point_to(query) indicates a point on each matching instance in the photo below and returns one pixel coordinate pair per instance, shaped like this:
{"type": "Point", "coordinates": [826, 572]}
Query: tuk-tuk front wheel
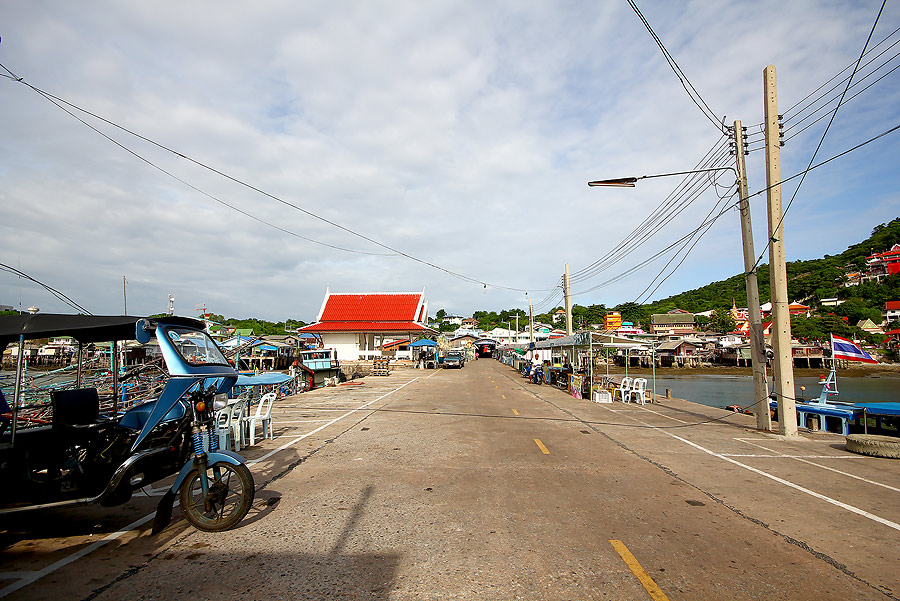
{"type": "Point", "coordinates": [227, 502]}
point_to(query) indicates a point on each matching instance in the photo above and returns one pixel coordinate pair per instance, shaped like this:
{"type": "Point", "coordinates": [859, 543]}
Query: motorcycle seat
{"type": "Point", "coordinates": [136, 417]}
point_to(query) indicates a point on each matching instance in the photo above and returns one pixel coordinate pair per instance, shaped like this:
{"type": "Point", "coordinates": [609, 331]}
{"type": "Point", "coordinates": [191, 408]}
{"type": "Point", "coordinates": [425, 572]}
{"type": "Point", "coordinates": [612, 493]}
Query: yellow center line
{"type": "Point", "coordinates": [655, 592]}
{"type": "Point", "coordinates": [541, 446]}
{"type": "Point", "coordinates": [515, 412]}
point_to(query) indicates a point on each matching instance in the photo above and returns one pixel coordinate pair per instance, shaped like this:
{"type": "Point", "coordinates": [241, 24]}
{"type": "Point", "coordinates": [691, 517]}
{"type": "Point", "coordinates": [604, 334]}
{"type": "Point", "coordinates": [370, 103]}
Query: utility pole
{"type": "Point", "coordinates": [781, 318]}
{"type": "Point", "coordinates": [757, 340]}
{"type": "Point", "coordinates": [568, 292]}
{"type": "Point", "coordinates": [530, 322]}
{"type": "Point", "coordinates": [124, 296]}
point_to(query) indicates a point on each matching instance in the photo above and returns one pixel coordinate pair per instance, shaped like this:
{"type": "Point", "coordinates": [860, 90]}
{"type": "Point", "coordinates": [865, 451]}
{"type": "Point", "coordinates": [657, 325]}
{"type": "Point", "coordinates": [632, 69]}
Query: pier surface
{"type": "Point", "coordinates": [475, 484]}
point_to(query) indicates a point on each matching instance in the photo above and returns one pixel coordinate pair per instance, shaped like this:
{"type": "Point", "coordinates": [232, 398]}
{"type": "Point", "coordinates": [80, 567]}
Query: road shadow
{"type": "Point", "coordinates": [220, 572]}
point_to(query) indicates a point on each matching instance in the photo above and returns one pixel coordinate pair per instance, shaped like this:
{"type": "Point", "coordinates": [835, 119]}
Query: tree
{"type": "Point", "coordinates": [440, 315]}
{"type": "Point", "coordinates": [722, 321]}
{"type": "Point", "coordinates": [807, 328]}
{"type": "Point", "coordinates": [633, 312]}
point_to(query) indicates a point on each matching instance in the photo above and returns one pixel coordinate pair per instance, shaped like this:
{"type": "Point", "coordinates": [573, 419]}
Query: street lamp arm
{"type": "Point", "coordinates": [629, 182]}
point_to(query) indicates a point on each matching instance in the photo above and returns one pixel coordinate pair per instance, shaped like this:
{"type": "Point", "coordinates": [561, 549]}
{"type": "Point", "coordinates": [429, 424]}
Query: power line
{"type": "Point", "coordinates": [792, 116]}
{"type": "Point", "coordinates": [816, 166]}
{"type": "Point", "coordinates": [804, 99]}
{"type": "Point", "coordinates": [687, 191]}
{"type": "Point", "coordinates": [701, 234]}
{"type": "Point", "coordinates": [667, 209]}
{"type": "Point", "coordinates": [685, 82]}
{"type": "Point", "coordinates": [207, 194]}
{"type": "Point", "coordinates": [50, 289]}
{"type": "Point", "coordinates": [846, 100]}
{"type": "Point", "coordinates": [48, 96]}
{"type": "Point", "coordinates": [833, 115]}
{"type": "Point", "coordinates": [651, 258]}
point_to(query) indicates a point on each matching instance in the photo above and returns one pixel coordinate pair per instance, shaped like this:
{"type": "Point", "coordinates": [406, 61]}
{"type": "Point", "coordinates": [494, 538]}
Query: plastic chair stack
{"type": "Point", "coordinates": [229, 425]}
{"type": "Point", "coordinates": [639, 391]}
{"type": "Point", "coordinates": [624, 389]}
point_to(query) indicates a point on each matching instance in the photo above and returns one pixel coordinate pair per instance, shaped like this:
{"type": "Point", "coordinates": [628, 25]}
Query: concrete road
{"type": "Point", "coordinates": [474, 484]}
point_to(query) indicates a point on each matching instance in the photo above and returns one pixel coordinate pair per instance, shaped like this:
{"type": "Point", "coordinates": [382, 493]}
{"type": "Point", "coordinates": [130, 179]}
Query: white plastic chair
{"type": "Point", "coordinates": [237, 412]}
{"type": "Point", "coordinates": [639, 391]}
{"type": "Point", "coordinates": [624, 388]}
{"type": "Point", "coordinates": [263, 416]}
{"type": "Point", "coordinates": [224, 428]}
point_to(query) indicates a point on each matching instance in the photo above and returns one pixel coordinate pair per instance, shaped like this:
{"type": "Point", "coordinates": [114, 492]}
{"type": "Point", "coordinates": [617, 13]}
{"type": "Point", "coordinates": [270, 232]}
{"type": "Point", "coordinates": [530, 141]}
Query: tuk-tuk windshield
{"type": "Point", "coordinates": [195, 346]}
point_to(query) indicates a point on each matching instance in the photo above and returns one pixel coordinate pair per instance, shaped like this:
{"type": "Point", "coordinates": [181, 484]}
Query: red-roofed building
{"type": "Point", "coordinates": [886, 263]}
{"type": "Point", "coordinates": [358, 325]}
{"type": "Point", "coordinates": [892, 311]}
{"type": "Point", "coordinates": [798, 309]}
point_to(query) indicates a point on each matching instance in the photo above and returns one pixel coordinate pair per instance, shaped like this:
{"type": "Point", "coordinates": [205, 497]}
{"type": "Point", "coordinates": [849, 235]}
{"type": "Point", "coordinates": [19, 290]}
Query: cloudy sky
{"type": "Point", "coordinates": [396, 146]}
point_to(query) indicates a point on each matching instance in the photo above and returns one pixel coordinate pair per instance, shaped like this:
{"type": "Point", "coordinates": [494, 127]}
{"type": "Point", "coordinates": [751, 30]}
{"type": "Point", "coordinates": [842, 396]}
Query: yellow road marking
{"type": "Point", "coordinates": [540, 445]}
{"type": "Point", "coordinates": [655, 592]}
{"type": "Point", "coordinates": [503, 396]}
{"type": "Point", "coordinates": [515, 412]}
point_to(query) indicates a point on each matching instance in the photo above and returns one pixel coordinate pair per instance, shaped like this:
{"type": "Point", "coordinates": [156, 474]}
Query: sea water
{"type": "Point", "coordinates": [724, 390]}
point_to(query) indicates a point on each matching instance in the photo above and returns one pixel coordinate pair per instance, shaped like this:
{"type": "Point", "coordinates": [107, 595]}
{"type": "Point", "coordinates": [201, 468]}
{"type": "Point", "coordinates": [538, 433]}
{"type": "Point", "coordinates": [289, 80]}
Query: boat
{"type": "Point", "coordinates": [321, 366]}
{"type": "Point", "coordinates": [826, 413]}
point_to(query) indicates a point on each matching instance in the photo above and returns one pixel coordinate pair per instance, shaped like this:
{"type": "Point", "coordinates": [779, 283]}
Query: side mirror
{"type": "Point", "coordinates": [143, 330]}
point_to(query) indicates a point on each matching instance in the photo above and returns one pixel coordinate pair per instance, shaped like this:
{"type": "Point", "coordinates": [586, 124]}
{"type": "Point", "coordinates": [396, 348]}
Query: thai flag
{"type": "Point", "coordinates": [841, 348]}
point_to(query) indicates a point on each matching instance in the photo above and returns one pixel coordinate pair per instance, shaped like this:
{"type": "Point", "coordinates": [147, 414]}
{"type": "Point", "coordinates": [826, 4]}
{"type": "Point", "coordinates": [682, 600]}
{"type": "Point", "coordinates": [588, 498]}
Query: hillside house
{"type": "Point", "coordinates": [883, 264]}
{"type": "Point", "coordinates": [798, 309]}
{"type": "Point", "coordinates": [677, 352]}
{"type": "Point", "coordinates": [867, 325]}
{"type": "Point", "coordinates": [892, 311]}
{"type": "Point", "coordinates": [672, 323]}
{"type": "Point", "coordinates": [612, 321]}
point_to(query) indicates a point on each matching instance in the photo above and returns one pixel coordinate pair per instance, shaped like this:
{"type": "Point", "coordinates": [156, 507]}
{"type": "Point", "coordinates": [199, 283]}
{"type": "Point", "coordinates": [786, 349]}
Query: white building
{"type": "Point", "coordinates": [357, 325]}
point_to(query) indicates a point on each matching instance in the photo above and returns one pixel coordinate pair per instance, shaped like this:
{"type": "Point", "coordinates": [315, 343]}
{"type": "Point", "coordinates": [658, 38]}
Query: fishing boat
{"type": "Point", "coordinates": [827, 413]}
{"type": "Point", "coordinates": [321, 366]}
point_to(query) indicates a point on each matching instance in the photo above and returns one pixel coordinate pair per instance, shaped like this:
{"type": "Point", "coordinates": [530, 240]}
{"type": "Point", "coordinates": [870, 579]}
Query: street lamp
{"type": "Point", "coordinates": [629, 182]}
{"type": "Point", "coordinates": [760, 384]}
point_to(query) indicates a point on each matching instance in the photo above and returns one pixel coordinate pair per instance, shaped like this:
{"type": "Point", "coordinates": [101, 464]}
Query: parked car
{"type": "Point", "coordinates": [452, 359]}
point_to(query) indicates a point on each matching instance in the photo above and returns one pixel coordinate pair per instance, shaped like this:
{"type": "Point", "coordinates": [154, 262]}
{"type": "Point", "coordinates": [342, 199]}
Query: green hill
{"type": "Point", "coordinates": [808, 282]}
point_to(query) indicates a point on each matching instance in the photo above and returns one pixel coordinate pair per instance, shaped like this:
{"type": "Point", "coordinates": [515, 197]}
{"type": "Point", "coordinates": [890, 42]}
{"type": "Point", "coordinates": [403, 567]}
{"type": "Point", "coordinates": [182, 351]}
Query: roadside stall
{"type": "Point", "coordinates": [424, 353]}
{"type": "Point", "coordinates": [570, 361]}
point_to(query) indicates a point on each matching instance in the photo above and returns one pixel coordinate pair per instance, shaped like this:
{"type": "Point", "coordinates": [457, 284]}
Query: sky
{"type": "Point", "coordinates": [279, 149]}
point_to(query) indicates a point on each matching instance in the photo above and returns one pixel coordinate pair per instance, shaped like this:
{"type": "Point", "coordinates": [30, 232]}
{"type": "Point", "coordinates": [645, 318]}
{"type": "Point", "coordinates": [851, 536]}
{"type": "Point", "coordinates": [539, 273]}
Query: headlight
{"type": "Point", "coordinates": [220, 401]}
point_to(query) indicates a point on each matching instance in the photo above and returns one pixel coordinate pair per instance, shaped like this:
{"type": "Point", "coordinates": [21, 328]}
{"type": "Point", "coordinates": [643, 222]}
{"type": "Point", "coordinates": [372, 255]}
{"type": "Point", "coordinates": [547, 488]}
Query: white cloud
{"type": "Point", "coordinates": [460, 133]}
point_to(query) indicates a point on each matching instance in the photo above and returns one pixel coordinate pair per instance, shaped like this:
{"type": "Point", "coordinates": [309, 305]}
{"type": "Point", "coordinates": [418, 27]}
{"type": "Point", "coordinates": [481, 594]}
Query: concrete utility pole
{"type": "Point", "coordinates": [530, 322]}
{"type": "Point", "coordinates": [568, 292]}
{"type": "Point", "coordinates": [781, 317]}
{"type": "Point", "coordinates": [757, 340]}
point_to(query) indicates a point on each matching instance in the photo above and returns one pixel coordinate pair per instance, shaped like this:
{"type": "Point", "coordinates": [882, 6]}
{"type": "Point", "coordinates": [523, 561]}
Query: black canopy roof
{"type": "Point", "coordinates": [83, 328]}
